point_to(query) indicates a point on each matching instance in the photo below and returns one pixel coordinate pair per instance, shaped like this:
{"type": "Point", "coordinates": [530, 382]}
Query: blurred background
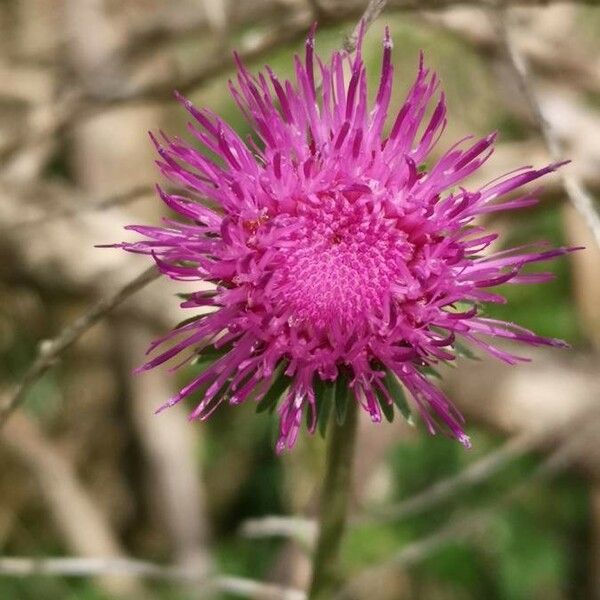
{"type": "Point", "coordinates": [88, 470]}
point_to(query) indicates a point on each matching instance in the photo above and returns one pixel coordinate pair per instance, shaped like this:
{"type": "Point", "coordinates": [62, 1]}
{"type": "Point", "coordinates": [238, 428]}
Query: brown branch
{"type": "Point", "coordinates": [464, 527]}
{"type": "Point", "coordinates": [52, 349]}
{"type": "Point", "coordinates": [579, 197]}
{"type": "Point", "coordinates": [446, 489]}
{"type": "Point", "coordinates": [88, 567]}
{"type": "Point", "coordinates": [289, 31]}
{"type": "Point", "coordinates": [78, 518]}
{"type": "Point", "coordinates": [119, 199]}
{"type": "Point", "coordinates": [84, 104]}
{"type": "Point", "coordinates": [444, 4]}
{"type": "Point", "coordinates": [439, 493]}
{"type": "Point", "coordinates": [169, 447]}
{"type": "Point", "coordinates": [373, 10]}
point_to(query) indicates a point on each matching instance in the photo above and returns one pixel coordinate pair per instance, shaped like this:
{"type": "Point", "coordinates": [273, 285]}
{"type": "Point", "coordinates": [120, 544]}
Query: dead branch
{"type": "Point", "coordinates": [119, 199]}
{"type": "Point", "coordinates": [447, 489]}
{"type": "Point", "coordinates": [441, 492]}
{"type": "Point", "coordinates": [476, 521]}
{"type": "Point", "coordinates": [51, 350]}
{"type": "Point", "coordinates": [80, 521]}
{"type": "Point", "coordinates": [169, 445]}
{"type": "Point", "coordinates": [82, 103]}
{"type": "Point", "coordinates": [373, 10]}
{"type": "Point", "coordinates": [576, 192]}
{"type": "Point", "coordinates": [89, 567]}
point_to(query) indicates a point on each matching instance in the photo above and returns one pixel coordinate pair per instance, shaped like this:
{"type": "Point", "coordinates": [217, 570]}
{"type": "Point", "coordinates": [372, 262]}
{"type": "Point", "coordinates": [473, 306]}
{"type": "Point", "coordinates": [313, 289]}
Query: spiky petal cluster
{"type": "Point", "coordinates": [332, 250]}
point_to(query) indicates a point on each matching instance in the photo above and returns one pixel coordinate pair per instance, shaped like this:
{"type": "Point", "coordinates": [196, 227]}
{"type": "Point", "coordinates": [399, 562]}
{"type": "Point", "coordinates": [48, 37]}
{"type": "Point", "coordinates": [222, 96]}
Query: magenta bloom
{"type": "Point", "coordinates": [341, 266]}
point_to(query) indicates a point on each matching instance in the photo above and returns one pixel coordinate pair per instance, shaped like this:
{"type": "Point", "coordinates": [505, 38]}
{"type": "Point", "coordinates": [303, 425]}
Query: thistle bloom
{"type": "Point", "coordinates": [340, 263]}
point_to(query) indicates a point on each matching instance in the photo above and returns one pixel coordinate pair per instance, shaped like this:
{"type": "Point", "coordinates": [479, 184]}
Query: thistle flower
{"type": "Point", "coordinates": [341, 266]}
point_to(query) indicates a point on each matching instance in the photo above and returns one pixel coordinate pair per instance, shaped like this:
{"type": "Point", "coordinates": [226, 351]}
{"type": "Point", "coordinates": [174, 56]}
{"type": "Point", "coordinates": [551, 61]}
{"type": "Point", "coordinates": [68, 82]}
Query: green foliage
{"type": "Point", "coordinates": [342, 395]}
{"type": "Point", "coordinates": [277, 387]}
{"type": "Point", "coordinates": [386, 408]}
{"type": "Point", "coordinates": [397, 393]}
{"type": "Point", "coordinates": [36, 588]}
{"type": "Point", "coordinates": [325, 394]}
{"type": "Point", "coordinates": [533, 550]}
{"type": "Point", "coordinates": [547, 309]}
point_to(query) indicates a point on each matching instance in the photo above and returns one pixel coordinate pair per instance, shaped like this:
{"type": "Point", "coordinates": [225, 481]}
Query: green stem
{"type": "Point", "coordinates": [334, 504]}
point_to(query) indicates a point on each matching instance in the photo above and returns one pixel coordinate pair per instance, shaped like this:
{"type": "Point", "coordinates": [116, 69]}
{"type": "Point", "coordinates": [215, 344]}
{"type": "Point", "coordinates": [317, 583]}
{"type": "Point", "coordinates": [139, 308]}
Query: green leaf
{"type": "Point", "coordinates": [342, 392]}
{"type": "Point", "coordinates": [428, 370]}
{"type": "Point", "coordinates": [386, 408]}
{"type": "Point", "coordinates": [462, 350]}
{"type": "Point", "coordinates": [324, 394]}
{"type": "Point", "coordinates": [190, 320]}
{"type": "Point", "coordinates": [185, 295]}
{"type": "Point", "coordinates": [208, 354]}
{"type": "Point", "coordinates": [397, 394]}
{"type": "Point", "coordinates": [202, 362]}
{"type": "Point", "coordinates": [279, 383]}
{"type": "Point", "coordinates": [212, 350]}
{"type": "Point", "coordinates": [223, 391]}
{"type": "Point", "coordinates": [190, 295]}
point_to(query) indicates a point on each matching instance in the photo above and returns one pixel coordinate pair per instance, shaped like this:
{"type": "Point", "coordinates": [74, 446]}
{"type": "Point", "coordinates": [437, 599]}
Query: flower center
{"type": "Point", "coordinates": [339, 260]}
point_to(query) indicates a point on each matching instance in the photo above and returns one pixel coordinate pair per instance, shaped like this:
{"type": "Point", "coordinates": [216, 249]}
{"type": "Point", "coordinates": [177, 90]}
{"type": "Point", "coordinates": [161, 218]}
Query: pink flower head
{"type": "Point", "coordinates": [340, 265]}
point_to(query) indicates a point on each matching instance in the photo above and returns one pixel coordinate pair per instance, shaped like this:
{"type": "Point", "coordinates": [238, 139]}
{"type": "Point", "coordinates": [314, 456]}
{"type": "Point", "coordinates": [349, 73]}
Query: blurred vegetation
{"type": "Point", "coordinates": [533, 549]}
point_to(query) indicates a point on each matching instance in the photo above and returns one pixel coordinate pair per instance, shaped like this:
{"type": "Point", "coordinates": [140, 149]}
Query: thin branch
{"type": "Point", "coordinates": [445, 490]}
{"type": "Point", "coordinates": [288, 32]}
{"type": "Point", "coordinates": [554, 463]}
{"type": "Point", "coordinates": [82, 105]}
{"type": "Point", "coordinates": [90, 567]}
{"type": "Point", "coordinates": [52, 349]}
{"type": "Point", "coordinates": [444, 4]}
{"type": "Point", "coordinates": [579, 197]}
{"type": "Point", "coordinates": [373, 10]}
{"type": "Point", "coordinates": [82, 206]}
{"type": "Point", "coordinates": [440, 492]}
{"type": "Point", "coordinates": [464, 527]}
{"type": "Point", "coordinates": [303, 529]}
{"type": "Point", "coordinates": [216, 65]}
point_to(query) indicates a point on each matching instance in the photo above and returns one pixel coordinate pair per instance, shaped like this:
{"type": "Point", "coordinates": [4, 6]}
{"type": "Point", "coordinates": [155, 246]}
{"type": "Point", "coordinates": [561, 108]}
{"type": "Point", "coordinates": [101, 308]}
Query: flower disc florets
{"type": "Point", "coordinates": [340, 265]}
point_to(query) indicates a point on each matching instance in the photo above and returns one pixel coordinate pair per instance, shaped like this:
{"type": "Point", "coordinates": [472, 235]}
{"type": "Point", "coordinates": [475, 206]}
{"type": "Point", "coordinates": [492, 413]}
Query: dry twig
{"type": "Point", "coordinates": [440, 492]}
{"type": "Point", "coordinates": [579, 197]}
{"type": "Point", "coordinates": [373, 10]}
{"type": "Point", "coordinates": [464, 527]}
{"type": "Point", "coordinates": [52, 349]}
{"type": "Point", "coordinates": [83, 104]}
{"type": "Point", "coordinates": [89, 567]}
{"type": "Point", "coordinates": [77, 516]}
{"type": "Point", "coordinates": [67, 203]}
{"type": "Point", "coordinates": [445, 490]}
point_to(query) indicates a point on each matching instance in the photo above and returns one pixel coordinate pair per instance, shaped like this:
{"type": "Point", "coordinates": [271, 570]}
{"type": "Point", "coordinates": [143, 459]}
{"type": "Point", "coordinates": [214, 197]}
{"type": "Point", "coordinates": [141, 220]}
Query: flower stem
{"type": "Point", "coordinates": [334, 504]}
